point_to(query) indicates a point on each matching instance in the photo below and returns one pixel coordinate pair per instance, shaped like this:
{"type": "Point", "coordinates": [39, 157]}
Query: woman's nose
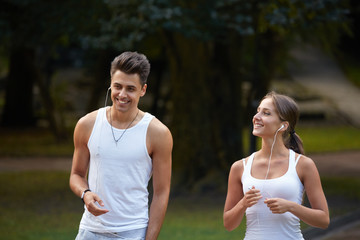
{"type": "Point", "coordinates": [256, 116]}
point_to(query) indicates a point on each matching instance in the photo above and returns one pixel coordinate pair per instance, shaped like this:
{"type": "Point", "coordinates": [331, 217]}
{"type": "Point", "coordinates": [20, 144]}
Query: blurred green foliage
{"type": "Point", "coordinates": [215, 59]}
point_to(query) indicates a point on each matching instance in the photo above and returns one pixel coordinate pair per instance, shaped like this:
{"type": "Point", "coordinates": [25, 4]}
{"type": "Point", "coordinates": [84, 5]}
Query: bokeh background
{"type": "Point", "coordinates": [211, 63]}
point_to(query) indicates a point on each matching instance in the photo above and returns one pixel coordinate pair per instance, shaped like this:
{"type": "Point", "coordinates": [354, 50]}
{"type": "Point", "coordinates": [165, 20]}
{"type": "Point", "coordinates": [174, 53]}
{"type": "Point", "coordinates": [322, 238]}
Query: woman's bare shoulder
{"type": "Point", "coordinates": [239, 164]}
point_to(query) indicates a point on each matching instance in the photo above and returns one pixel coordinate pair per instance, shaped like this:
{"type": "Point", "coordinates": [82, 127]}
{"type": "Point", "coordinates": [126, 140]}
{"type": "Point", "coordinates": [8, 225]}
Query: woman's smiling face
{"type": "Point", "coordinates": [266, 121]}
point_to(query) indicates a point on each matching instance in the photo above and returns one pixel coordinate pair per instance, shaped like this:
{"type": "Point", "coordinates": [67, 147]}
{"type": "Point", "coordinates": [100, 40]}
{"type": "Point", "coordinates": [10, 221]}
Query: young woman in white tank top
{"type": "Point", "coordinates": [268, 186]}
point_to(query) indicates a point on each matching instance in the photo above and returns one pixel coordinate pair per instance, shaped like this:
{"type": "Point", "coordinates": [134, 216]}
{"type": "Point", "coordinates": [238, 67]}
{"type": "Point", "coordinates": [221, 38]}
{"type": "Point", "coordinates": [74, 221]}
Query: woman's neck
{"type": "Point", "coordinates": [268, 146]}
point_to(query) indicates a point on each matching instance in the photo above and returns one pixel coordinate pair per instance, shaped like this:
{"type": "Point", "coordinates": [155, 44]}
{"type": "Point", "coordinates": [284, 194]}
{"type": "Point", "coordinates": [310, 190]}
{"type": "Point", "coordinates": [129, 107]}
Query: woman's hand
{"type": "Point", "coordinates": [278, 205]}
{"type": "Point", "coordinates": [251, 197]}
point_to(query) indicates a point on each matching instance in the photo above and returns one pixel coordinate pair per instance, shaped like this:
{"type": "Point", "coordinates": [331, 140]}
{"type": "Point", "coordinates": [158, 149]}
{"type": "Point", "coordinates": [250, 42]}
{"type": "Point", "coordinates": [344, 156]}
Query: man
{"type": "Point", "coordinates": [121, 147]}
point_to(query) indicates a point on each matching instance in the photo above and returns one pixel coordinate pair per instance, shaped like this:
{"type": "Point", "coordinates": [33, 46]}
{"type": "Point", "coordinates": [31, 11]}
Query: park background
{"type": "Point", "coordinates": [212, 62]}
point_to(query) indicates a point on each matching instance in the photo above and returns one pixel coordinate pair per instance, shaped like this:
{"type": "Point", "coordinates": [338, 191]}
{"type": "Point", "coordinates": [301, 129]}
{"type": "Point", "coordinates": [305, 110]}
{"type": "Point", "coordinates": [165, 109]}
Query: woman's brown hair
{"type": "Point", "coordinates": [288, 111]}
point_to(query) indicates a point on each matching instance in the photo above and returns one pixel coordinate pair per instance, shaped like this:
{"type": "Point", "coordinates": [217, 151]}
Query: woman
{"type": "Point", "coordinates": [268, 185]}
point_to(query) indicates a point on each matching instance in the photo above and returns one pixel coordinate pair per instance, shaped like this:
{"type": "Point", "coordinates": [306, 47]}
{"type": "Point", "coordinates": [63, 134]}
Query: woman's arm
{"type": "Point", "coordinates": [318, 214]}
{"type": "Point", "coordinates": [236, 203]}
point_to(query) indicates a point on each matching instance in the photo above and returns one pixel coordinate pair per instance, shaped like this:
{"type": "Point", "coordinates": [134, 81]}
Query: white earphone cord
{"type": "Point", "coordinates": [107, 93]}
{"type": "Point", "coordinates": [267, 172]}
{"type": "Point", "coordinates": [271, 151]}
{"type": "Point", "coordinates": [97, 163]}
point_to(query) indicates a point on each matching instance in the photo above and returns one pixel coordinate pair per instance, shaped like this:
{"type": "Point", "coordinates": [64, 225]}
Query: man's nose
{"type": "Point", "coordinates": [122, 93]}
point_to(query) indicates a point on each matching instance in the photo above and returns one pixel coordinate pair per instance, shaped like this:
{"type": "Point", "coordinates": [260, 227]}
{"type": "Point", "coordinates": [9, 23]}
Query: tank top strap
{"type": "Point", "coordinates": [292, 161]}
{"type": "Point", "coordinates": [102, 119]}
{"type": "Point", "coordinates": [247, 166]}
{"type": "Point", "coordinates": [147, 118]}
{"type": "Point", "coordinates": [97, 128]}
{"type": "Point", "coordinates": [102, 113]}
{"type": "Point", "coordinates": [297, 159]}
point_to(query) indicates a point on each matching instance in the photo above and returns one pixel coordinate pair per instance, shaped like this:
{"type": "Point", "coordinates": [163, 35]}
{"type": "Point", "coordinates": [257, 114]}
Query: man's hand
{"type": "Point", "coordinates": [94, 203]}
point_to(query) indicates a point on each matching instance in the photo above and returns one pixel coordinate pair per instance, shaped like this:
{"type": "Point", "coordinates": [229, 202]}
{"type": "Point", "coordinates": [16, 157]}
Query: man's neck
{"type": "Point", "coordinates": [122, 119]}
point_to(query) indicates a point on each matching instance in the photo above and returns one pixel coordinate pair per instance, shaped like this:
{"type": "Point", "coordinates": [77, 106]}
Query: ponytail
{"type": "Point", "coordinates": [295, 143]}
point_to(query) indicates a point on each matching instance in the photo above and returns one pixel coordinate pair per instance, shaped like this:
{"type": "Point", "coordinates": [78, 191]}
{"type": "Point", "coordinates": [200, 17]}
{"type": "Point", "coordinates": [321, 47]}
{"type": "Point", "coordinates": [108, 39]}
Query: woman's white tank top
{"type": "Point", "coordinates": [261, 222]}
{"type": "Point", "coordinates": [119, 173]}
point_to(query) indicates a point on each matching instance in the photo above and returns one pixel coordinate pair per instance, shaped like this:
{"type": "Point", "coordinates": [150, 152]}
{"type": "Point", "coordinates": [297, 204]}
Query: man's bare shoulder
{"type": "Point", "coordinates": [157, 126]}
{"type": "Point", "coordinates": [87, 122]}
{"type": "Point", "coordinates": [158, 131]}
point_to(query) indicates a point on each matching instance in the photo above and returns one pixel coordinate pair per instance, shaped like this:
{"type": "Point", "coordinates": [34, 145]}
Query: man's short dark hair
{"type": "Point", "coordinates": [130, 63]}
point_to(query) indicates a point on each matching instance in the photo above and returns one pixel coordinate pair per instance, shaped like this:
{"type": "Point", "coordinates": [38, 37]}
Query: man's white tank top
{"type": "Point", "coordinates": [119, 173]}
{"type": "Point", "coordinates": [261, 222]}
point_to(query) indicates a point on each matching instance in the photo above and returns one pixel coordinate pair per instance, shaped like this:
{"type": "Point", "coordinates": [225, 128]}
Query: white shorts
{"type": "Point", "coordinates": [136, 234]}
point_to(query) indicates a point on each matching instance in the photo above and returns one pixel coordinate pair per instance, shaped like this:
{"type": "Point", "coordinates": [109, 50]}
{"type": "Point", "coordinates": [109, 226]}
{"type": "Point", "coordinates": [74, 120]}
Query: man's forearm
{"type": "Point", "coordinates": [78, 184]}
{"type": "Point", "coordinates": [157, 214]}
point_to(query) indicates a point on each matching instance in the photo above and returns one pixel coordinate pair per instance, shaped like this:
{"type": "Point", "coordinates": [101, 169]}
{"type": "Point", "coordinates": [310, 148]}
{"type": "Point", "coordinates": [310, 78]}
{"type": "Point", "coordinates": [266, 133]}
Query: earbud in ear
{"type": "Point", "coordinates": [282, 126]}
{"type": "Point", "coordinates": [109, 88]}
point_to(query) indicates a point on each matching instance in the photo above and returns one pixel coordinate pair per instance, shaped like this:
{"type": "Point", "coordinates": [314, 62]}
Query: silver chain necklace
{"type": "Point", "coordinates": [112, 130]}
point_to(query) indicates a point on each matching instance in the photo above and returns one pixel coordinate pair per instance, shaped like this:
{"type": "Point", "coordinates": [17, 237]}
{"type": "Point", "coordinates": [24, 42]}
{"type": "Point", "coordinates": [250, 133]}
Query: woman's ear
{"type": "Point", "coordinates": [286, 125]}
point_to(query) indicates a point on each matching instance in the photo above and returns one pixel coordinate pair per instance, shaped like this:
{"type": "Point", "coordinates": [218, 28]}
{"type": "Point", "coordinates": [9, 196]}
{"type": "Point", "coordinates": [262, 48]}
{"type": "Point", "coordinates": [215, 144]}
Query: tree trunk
{"type": "Point", "coordinates": [18, 109]}
{"type": "Point", "coordinates": [205, 125]}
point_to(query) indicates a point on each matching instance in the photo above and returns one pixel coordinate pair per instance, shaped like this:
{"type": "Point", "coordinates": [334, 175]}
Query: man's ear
{"type": "Point", "coordinates": [143, 90]}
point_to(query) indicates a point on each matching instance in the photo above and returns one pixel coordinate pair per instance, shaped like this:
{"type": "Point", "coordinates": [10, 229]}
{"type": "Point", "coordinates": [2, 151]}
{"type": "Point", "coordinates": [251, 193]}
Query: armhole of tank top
{"type": "Point", "coordinates": [244, 167]}
{"type": "Point", "coordinates": [297, 159]}
{"type": "Point", "coordinates": [98, 116]}
{"type": "Point", "coordinates": [148, 121]}
{"type": "Point", "coordinates": [296, 171]}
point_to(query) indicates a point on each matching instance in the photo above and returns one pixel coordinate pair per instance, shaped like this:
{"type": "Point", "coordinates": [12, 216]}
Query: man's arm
{"type": "Point", "coordinates": [80, 164]}
{"type": "Point", "coordinates": [160, 144]}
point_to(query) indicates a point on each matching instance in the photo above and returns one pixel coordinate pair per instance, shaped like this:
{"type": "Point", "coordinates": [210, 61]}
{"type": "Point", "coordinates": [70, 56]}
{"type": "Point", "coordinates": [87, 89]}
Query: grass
{"type": "Point", "coordinates": [197, 218]}
{"type": "Point", "coordinates": [323, 138]}
{"type": "Point", "coordinates": [40, 206]}
{"type": "Point", "coordinates": [32, 142]}
{"type": "Point", "coordinates": [329, 139]}
{"type": "Point", "coordinates": [343, 194]}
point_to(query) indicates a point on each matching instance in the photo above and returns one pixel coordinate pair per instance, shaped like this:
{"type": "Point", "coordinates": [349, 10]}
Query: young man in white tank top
{"type": "Point", "coordinates": [268, 186]}
{"type": "Point", "coordinates": [121, 148]}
